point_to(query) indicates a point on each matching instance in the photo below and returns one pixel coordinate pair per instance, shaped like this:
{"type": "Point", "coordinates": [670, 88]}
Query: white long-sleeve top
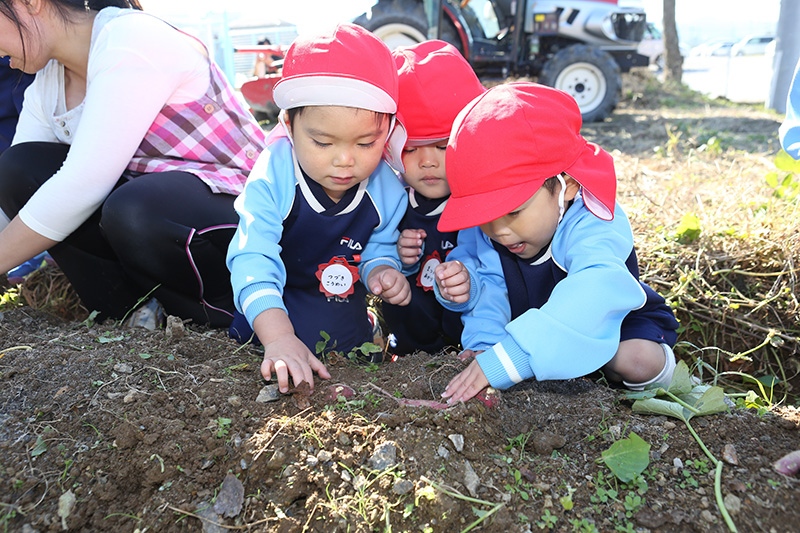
{"type": "Point", "coordinates": [137, 65]}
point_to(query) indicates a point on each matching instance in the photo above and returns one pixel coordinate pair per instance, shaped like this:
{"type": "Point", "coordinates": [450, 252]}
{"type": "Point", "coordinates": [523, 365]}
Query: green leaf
{"type": "Point", "coordinates": [657, 406]}
{"type": "Point", "coordinates": [145, 355]}
{"type": "Point", "coordinates": [89, 322]}
{"type": "Point", "coordinates": [320, 346]}
{"type": "Point", "coordinates": [627, 458]}
{"type": "Point", "coordinates": [689, 228]}
{"type": "Point", "coordinates": [772, 179]}
{"type": "Point", "coordinates": [368, 348]}
{"type": "Point", "coordinates": [39, 448]}
{"type": "Point", "coordinates": [682, 380]}
{"type": "Point", "coordinates": [566, 502]}
{"type": "Point", "coordinates": [785, 162]}
{"type": "Point", "coordinates": [480, 513]}
{"type": "Point", "coordinates": [711, 400]}
{"type": "Point", "coordinates": [701, 399]}
{"type": "Point", "coordinates": [106, 338]}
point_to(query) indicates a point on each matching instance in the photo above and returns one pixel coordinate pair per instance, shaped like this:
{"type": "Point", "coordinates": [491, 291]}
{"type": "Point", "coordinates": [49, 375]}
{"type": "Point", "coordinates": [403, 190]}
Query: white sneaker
{"type": "Point", "coordinates": [149, 316]}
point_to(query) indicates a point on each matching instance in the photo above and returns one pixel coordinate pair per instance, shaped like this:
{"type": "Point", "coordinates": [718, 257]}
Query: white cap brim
{"type": "Point", "coordinates": [318, 90]}
{"type": "Point", "coordinates": [393, 152]}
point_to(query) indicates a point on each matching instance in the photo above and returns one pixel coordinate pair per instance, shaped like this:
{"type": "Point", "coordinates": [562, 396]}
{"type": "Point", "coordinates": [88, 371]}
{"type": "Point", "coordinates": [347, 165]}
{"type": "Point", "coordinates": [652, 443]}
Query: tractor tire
{"type": "Point", "coordinates": [590, 75]}
{"type": "Point", "coordinates": [403, 23]}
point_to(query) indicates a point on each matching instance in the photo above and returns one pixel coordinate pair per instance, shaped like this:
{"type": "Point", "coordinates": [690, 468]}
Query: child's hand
{"type": "Point", "coordinates": [409, 245]}
{"type": "Point", "coordinates": [390, 284]}
{"type": "Point", "coordinates": [452, 278]}
{"type": "Point", "coordinates": [284, 353]}
{"type": "Point", "coordinates": [466, 385]}
{"type": "Point", "coordinates": [288, 356]}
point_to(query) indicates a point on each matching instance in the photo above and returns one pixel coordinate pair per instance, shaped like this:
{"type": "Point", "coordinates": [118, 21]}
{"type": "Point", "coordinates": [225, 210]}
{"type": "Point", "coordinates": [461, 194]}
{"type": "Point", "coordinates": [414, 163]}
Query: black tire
{"type": "Point", "coordinates": [268, 117]}
{"type": "Point", "coordinates": [403, 23]}
{"type": "Point", "coordinates": [590, 75]}
{"type": "Point", "coordinates": [268, 113]}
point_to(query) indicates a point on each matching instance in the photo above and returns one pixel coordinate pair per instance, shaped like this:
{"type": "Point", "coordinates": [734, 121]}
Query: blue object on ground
{"type": "Point", "coordinates": [17, 274]}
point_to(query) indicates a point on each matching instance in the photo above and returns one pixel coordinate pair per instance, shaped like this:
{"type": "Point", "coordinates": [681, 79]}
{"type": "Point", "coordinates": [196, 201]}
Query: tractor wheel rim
{"type": "Point", "coordinates": [395, 35]}
{"type": "Point", "coordinates": [586, 83]}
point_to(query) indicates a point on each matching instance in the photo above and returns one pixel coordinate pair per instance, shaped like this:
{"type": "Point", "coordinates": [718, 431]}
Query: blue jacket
{"type": "Point", "coordinates": [577, 330]}
{"type": "Point", "coordinates": [789, 131]}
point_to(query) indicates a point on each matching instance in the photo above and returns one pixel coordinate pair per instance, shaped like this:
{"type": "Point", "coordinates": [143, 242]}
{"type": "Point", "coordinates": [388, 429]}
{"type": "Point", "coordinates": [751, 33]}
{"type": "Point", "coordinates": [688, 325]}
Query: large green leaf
{"type": "Point", "coordinates": [786, 162]}
{"type": "Point", "coordinates": [627, 458]}
{"type": "Point", "coordinates": [695, 399]}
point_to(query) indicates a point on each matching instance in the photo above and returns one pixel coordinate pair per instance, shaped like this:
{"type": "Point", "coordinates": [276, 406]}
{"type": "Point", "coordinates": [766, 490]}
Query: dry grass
{"type": "Point", "coordinates": [48, 289]}
{"type": "Point", "coordinates": [732, 273]}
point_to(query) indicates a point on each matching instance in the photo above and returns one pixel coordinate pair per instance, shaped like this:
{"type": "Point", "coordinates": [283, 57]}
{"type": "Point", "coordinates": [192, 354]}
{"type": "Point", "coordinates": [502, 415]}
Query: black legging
{"type": "Point", "coordinates": [164, 229]}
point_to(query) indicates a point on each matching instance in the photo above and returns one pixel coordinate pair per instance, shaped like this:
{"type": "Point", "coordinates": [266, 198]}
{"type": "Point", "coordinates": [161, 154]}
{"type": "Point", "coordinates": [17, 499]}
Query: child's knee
{"type": "Point", "coordinates": [656, 365]}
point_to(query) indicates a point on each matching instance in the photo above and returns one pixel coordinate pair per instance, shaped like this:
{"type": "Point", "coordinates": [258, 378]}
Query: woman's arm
{"type": "Point", "coordinates": [130, 79]}
{"type": "Point", "coordinates": [18, 243]}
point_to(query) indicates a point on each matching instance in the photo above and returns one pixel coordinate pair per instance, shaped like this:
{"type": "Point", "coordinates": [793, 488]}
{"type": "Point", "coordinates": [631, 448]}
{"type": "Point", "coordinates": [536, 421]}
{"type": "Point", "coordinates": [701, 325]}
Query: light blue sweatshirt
{"type": "Point", "coordinates": [577, 330]}
{"type": "Point", "coordinates": [789, 130]}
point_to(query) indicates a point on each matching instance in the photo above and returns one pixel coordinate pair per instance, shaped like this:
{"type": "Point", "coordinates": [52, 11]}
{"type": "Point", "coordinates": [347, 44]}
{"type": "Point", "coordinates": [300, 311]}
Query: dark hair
{"type": "Point", "coordinates": [550, 184]}
{"type": "Point", "coordinates": [66, 8]}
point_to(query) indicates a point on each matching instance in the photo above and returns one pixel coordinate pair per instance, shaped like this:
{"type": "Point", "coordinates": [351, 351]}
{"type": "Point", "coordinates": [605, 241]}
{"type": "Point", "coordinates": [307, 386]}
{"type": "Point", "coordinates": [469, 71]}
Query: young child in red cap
{"type": "Point", "coordinates": [319, 213]}
{"type": "Point", "coordinates": [546, 275]}
{"type": "Point", "coordinates": [436, 82]}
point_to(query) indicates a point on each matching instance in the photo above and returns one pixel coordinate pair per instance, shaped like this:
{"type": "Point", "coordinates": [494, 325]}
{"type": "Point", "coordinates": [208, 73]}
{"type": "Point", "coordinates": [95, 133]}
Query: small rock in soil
{"type": "Point", "coordinates": [277, 460]}
{"type": "Point", "coordinates": [268, 393]}
{"type": "Point", "coordinates": [230, 497]}
{"type": "Point", "coordinates": [385, 456]}
{"type": "Point", "coordinates": [402, 486]}
{"type": "Point", "coordinates": [729, 454]}
{"type": "Point", "coordinates": [174, 328]}
{"type": "Point", "coordinates": [471, 479]}
{"type": "Point", "coordinates": [732, 503]}
{"type": "Point", "coordinates": [458, 441]}
{"type": "Point", "coordinates": [544, 443]}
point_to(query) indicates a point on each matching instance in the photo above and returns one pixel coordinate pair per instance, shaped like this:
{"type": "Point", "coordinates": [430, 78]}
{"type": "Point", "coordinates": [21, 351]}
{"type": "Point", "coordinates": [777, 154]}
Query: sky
{"type": "Point", "coordinates": [709, 20]}
{"type": "Point", "coordinates": [310, 16]}
{"type": "Point", "coordinates": [698, 21]}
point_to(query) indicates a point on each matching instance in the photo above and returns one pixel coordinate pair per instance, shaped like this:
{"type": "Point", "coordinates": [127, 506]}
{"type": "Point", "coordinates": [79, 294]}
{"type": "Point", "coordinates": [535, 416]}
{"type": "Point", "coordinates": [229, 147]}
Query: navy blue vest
{"type": "Point", "coordinates": [317, 249]}
{"type": "Point", "coordinates": [424, 324]}
{"type": "Point", "coordinates": [423, 213]}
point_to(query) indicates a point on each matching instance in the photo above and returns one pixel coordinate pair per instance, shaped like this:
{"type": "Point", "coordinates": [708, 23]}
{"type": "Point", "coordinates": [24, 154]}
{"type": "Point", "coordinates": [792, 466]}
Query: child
{"type": "Point", "coordinates": [319, 214]}
{"type": "Point", "coordinates": [548, 282]}
{"type": "Point", "coordinates": [435, 83]}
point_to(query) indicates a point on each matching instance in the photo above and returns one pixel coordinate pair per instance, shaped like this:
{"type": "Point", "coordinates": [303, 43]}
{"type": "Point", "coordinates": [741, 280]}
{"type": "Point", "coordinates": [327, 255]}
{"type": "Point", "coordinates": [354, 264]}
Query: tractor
{"type": "Point", "coordinates": [578, 46]}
